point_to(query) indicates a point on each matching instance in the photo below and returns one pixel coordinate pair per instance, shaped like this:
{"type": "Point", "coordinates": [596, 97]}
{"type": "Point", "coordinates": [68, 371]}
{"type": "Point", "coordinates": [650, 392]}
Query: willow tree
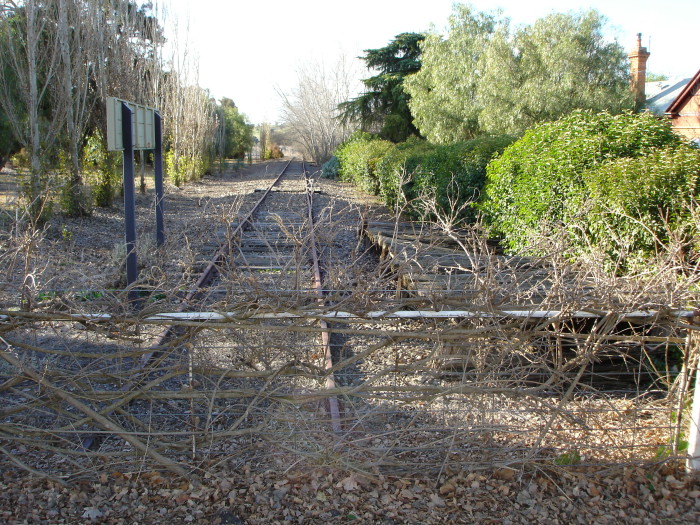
{"type": "Point", "coordinates": [541, 72]}
{"type": "Point", "coordinates": [483, 77]}
{"type": "Point", "coordinates": [443, 93]}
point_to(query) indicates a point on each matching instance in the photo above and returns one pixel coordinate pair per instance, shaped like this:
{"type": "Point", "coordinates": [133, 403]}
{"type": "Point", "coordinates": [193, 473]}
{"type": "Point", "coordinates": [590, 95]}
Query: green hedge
{"type": "Point", "coordinates": [634, 206]}
{"type": "Point", "coordinates": [406, 172]}
{"type": "Point", "coordinates": [358, 158]}
{"type": "Point", "coordinates": [592, 174]}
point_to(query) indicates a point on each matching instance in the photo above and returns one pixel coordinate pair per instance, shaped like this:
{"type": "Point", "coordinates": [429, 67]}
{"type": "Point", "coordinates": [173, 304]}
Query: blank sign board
{"type": "Point", "coordinates": [142, 125]}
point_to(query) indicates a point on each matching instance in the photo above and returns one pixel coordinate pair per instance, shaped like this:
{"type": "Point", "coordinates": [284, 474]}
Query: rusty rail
{"type": "Point", "coordinates": [334, 406]}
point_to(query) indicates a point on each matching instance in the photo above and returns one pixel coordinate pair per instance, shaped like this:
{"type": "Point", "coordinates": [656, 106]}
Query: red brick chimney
{"type": "Point", "coordinates": [638, 72]}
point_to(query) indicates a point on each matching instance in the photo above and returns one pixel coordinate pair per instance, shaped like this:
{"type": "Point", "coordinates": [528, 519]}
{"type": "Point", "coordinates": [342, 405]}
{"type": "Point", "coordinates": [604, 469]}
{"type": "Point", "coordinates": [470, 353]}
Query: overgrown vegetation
{"type": "Point", "coordinates": [100, 168]}
{"type": "Point", "coordinates": [620, 186]}
{"type": "Point", "coordinates": [61, 59]}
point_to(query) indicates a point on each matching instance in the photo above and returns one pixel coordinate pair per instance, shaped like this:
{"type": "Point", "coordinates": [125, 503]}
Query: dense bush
{"type": "Point", "coordinates": [599, 177]}
{"type": "Point", "coordinates": [358, 158]}
{"type": "Point", "coordinates": [635, 206]}
{"type": "Point", "coordinates": [454, 174]}
{"type": "Point", "coordinates": [99, 167]}
{"type": "Point", "coordinates": [409, 172]}
{"type": "Point", "coordinates": [331, 168]}
{"type": "Point", "coordinates": [186, 168]}
{"type": "Point", "coordinates": [395, 170]}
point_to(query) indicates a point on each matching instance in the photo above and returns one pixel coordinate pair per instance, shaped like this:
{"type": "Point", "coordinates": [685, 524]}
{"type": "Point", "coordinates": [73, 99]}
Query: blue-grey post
{"type": "Point", "coordinates": [129, 204]}
{"type": "Point", "coordinates": [158, 172]}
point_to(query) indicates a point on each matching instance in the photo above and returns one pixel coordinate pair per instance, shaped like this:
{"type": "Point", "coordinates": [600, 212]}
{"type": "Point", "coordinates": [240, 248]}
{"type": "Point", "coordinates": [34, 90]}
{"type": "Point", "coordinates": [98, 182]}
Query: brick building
{"type": "Point", "coordinates": [675, 98]}
{"type": "Point", "coordinates": [684, 111]}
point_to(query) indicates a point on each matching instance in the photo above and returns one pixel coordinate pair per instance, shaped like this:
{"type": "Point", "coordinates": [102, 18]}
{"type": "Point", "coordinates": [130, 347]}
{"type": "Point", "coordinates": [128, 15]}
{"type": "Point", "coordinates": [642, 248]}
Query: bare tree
{"type": "Point", "coordinates": [311, 108]}
{"type": "Point", "coordinates": [190, 113]}
{"type": "Point", "coordinates": [126, 55]}
{"type": "Point", "coordinates": [30, 52]}
{"type": "Point", "coordinates": [73, 93]}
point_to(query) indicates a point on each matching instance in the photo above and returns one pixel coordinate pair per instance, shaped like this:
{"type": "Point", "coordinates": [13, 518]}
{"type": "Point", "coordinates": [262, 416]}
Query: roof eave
{"type": "Point", "coordinates": [674, 108]}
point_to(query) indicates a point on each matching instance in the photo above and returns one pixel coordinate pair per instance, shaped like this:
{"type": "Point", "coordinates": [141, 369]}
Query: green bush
{"type": "Point", "coordinates": [454, 174]}
{"type": "Point", "coordinates": [540, 181]}
{"type": "Point", "coordinates": [358, 158]}
{"type": "Point", "coordinates": [633, 207]}
{"type": "Point", "coordinates": [187, 168]}
{"type": "Point", "coordinates": [413, 171]}
{"type": "Point", "coordinates": [75, 197]}
{"type": "Point", "coordinates": [396, 168]}
{"type": "Point", "coordinates": [99, 167]}
{"type": "Point", "coordinates": [20, 160]}
{"type": "Point", "coordinates": [331, 168]}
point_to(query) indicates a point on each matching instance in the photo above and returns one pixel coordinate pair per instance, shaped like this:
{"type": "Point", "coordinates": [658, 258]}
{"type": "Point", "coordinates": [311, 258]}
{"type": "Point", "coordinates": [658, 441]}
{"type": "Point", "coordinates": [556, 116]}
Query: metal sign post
{"type": "Point", "coordinates": [132, 271]}
{"type": "Point", "coordinates": [130, 127]}
{"type": "Point", "coordinates": [158, 174]}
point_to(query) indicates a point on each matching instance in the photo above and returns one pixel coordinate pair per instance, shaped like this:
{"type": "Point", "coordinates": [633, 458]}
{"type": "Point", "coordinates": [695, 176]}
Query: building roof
{"type": "Point", "coordinates": [682, 97]}
{"type": "Point", "coordinates": [660, 95]}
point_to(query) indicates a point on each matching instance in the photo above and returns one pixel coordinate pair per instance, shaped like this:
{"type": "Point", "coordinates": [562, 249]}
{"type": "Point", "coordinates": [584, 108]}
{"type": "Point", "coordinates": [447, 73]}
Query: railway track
{"type": "Point", "coordinates": [273, 248]}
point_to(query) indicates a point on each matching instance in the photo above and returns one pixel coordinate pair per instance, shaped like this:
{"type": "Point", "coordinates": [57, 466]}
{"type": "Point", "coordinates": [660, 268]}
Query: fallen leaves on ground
{"type": "Point", "coordinates": [321, 495]}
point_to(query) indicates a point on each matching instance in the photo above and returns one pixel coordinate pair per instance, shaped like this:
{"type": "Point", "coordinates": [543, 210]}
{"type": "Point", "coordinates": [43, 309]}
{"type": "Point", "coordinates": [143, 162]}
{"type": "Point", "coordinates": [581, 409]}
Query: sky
{"type": "Point", "coordinates": [249, 50]}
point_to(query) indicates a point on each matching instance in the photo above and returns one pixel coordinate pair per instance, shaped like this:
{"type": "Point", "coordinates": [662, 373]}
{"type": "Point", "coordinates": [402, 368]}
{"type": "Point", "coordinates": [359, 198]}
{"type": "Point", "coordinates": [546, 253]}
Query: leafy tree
{"type": "Point", "coordinates": [547, 70]}
{"type": "Point", "coordinates": [383, 107]}
{"type": "Point", "coordinates": [656, 77]}
{"type": "Point", "coordinates": [443, 93]}
{"type": "Point", "coordinates": [238, 132]}
{"type": "Point", "coordinates": [485, 78]}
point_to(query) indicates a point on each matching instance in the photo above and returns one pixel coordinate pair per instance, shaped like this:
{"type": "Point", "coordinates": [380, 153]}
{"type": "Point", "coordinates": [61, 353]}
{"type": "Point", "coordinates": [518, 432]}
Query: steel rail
{"type": "Point", "coordinates": [206, 277]}
{"type": "Point", "coordinates": [334, 406]}
{"type": "Point", "coordinates": [212, 269]}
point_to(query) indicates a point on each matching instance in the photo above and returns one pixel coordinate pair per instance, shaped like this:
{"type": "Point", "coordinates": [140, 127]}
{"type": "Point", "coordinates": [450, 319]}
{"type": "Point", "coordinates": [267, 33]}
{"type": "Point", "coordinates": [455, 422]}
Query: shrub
{"type": "Point", "coordinates": [359, 157]}
{"type": "Point", "coordinates": [20, 159]}
{"type": "Point", "coordinates": [454, 174]}
{"type": "Point", "coordinates": [331, 168]}
{"type": "Point", "coordinates": [633, 207]}
{"type": "Point", "coordinates": [396, 168]}
{"type": "Point", "coordinates": [186, 168]}
{"type": "Point", "coordinates": [99, 167]}
{"type": "Point", "coordinates": [539, 181]}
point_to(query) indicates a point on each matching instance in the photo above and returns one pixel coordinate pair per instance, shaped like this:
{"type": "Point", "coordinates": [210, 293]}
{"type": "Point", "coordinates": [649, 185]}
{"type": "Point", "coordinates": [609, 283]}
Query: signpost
{"type": "Point", "coordinates": [135, 127]}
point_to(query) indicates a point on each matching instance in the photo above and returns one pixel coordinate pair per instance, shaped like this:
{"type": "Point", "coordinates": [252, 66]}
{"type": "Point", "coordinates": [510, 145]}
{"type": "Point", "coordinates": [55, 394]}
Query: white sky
{"type": "Point", "coordinates": [248, 47]}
